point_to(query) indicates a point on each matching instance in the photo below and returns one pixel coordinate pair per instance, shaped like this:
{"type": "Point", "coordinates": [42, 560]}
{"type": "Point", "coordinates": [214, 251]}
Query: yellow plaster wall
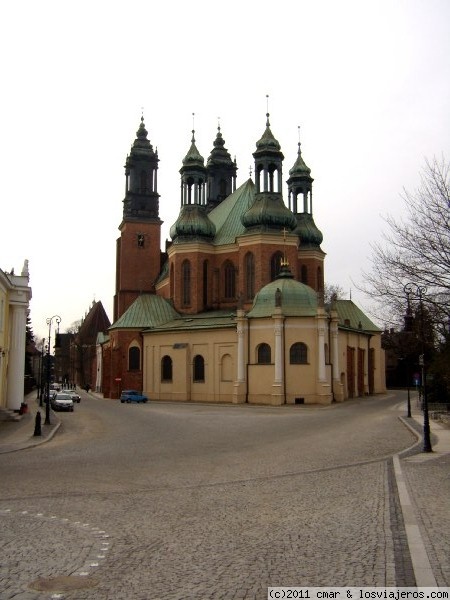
{"type": "Point", "coordinates": [182, 348]}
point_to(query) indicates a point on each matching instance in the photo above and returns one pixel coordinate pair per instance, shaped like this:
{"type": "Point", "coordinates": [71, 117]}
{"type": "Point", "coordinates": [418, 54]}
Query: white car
{"type": "Point", "coordinates": [62, 401]}
{"type": "Point", "coordinates": [72, 393]}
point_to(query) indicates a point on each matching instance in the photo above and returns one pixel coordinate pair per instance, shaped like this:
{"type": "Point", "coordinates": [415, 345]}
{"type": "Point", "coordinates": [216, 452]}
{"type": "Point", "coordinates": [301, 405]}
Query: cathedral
{"type": "Point", "coordinates": [233, 311]}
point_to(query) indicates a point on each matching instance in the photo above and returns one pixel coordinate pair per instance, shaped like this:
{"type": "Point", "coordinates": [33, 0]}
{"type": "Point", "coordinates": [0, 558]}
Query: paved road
{"type": "Point", "coordinates": [163, 501]}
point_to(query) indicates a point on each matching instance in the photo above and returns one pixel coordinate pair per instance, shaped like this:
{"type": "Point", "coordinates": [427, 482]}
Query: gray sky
{"type": "Point", "coordinates": [367, 81]}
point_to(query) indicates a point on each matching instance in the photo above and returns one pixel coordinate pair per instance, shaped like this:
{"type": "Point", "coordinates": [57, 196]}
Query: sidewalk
{"type": "Point", "coordinates": [18, 435]}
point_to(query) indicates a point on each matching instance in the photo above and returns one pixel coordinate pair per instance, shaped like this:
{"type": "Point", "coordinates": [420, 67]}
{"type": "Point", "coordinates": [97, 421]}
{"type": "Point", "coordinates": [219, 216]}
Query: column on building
{"type": "Point", "coordinates": [321, 348]}
{"type": "Point", "coordinates": [16, 359]}
{"type": "Point", "coordinates": [278, 382]}
{"type": "Point", "coordinates": [240, 385]}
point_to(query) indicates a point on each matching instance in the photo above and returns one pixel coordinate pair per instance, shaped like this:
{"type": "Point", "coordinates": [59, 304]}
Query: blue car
{"type": "Point", "coordinates": [132, 396]}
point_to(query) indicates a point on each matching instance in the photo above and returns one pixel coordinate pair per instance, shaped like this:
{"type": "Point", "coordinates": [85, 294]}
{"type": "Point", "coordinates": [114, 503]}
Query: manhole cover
{"type": "Point", "coordinates": [62, 584]}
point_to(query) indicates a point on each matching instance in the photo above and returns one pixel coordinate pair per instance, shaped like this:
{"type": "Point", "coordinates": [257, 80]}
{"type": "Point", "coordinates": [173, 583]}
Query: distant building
{"type": "Point", "coordinates": [15, 295]}
{"type": "Point", "coordinates": [233, 310]}
{"type": "Point", "coordinates": [76, 358]}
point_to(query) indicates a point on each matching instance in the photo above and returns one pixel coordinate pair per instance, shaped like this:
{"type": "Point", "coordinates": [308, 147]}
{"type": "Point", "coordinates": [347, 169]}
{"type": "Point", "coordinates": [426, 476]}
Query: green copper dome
{"type": "Point", "coordinates": [307, 230]}
{"type": "Point", "coordinates": [267, 141]}
{"type": "Point", "coordinates": [294, 298]}
{"type": "Point", "coordinates": [300, 168]}
{"type": "Point", "coordinates": [219, 154]}
{"type": "Point", "coordinates": [192, 223]}
{"type": "Point", "coordinates": [267, 212]}
{"type": "Point", "coordinates": [193, 158]}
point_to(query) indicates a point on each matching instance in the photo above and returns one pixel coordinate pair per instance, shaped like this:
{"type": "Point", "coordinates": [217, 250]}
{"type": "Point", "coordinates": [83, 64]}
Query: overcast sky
{"type": "Point", "coordinates": [367, 81]}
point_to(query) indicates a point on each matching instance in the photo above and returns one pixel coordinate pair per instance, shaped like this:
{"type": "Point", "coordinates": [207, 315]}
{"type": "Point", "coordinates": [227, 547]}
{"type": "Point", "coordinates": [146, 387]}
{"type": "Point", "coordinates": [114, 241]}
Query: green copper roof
{"type": "Point", "coordinates": [295, 299]}
{"type": "Point", "coordinates": [300, 168]}
{"type": "Point", "coordinates": [228, 214]}
{"type": "Point", "coordinates": [142, 145]}
{"type": "Point", "coordinates": [267, 141]}
{"type": "Point", "coordinates": [207, 320]}
{"type": "Point", "coordinates": [352, 317]}
{"type": "Point", "coordinates": [193, 157]}
{"type": "Point", "coordinates": [267, 212]}
{"type": "Point", "coordinates": [219, 155]}
{"type": "Point", "coordinates": [307, 231]}
{"type": "Point", "coordinates": [147, 311]}
{"type": "Point", "coordinates": [192, 223]}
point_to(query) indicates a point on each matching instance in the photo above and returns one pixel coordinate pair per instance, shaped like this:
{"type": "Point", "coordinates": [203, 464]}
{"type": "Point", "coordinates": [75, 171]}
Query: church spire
{"type": "Point", "coordinates": [221, 172]}
{"type": "Point", "coordinates": [141, 181]}
{"type": "Point", "coordinates": [268, 211]}
{"type": "Point", "coordinates": [300, 201]}
{"type": "Point", "coordinates": [192, 222]}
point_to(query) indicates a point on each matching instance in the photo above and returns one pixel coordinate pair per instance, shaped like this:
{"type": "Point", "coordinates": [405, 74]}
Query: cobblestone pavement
{"type": "Point", "coordinates": [227, 531]}
{"type": "Point", "coordinates": [219, 541]}
{"type": "Point", "coordinates": [429, 483]}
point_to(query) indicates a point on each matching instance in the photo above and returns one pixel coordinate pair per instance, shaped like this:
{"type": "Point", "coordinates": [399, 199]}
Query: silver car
{"type": "Point", "coordinates": [72, 393]}
{"type": "Point", "coordinates": [62, 401]}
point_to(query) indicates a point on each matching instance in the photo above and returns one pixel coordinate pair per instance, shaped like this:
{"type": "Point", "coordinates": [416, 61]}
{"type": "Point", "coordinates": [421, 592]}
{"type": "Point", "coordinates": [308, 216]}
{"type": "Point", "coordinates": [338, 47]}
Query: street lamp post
{"type": "Point", "coordinates": [419, 291]}
{"type": "Point", "coordinates": [49, 322]}
{"type": "Point", "coordinates": [41, 374]}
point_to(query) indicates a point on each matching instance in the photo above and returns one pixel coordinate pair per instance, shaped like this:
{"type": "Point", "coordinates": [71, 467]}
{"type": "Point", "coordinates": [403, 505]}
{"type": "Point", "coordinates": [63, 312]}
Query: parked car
{"type": "Point", "coordinates": [72, 393]}
{"type": "Point", "coordinates": [132, 396]}
{"type": "Point", "coordinates": [52, 394]}
{"type": "Point", "coordinates": [62, 401]}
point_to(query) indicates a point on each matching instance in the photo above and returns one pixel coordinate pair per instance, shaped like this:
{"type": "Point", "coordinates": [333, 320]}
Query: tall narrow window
{"type": "Point", "coordinates": [298, 354]}
{"type": "Point", "coordinates": [229, 280]}
{"type": "Point", "coordinates": [319, 280]}
{"type": "Point", "coordinates": [249, 276]}
{"type": "Point", "coordinates": [134, 358]}
{"type": "Point", "coordinates": [205, 284]}
{"type": "Point", "coordinates": [264, 354]}
{"type": "Point", "coordinates": [166, 368]}
{"type": "Point", "coordinates": [199, 368]}
{"type": "Point", "coordinates": [275, 265]}
{"type": "Point", "coordinates": [143, 182]}
{"type": "Point", "coordinates": [186, 279]}
{"type": "Point", "coordinates": [304, 274]}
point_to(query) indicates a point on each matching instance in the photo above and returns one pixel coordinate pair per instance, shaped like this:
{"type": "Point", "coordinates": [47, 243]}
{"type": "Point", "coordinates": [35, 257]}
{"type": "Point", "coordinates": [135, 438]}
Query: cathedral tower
{"type": "Point", "coordinates": [138, 254]}
{"type": "Point", "coordinates": [311, 256]}
{"type": "Point", "coordinates": [221, 173]}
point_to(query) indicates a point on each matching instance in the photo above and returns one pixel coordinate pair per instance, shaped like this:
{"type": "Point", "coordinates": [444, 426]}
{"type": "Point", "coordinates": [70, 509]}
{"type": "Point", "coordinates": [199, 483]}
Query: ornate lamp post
{"type": "Point", "coordinates": [419, 291]}
{"type": "Point", "coordinates": [49, 322]}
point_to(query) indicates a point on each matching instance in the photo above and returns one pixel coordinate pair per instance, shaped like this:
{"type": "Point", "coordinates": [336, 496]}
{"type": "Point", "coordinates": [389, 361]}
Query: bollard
{"type": "Point", "coordinates": [37, 425]}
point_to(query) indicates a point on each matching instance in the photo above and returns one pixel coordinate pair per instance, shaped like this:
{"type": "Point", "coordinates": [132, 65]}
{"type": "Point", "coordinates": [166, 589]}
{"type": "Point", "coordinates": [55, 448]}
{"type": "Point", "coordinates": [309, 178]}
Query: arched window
{"type": "Point", "coordinates": [172, 280]}
{"type": "Point", "coordinates": [298, 354]}
{"type": "Point", "coordinates": [134, 358]}
{"type": "Point", "coordinates": [205, 284]}
{"type": "Point", "coordinates": [249, 276]}
{"type": "Point", "coordinates": [319, 280]}
{"type": "Point", "coordinates": [186, 282]}
{"type": "Point", "coordinates": [199, 368]}
{"type": "Point", "coordinates": [166, 368]}
{"type": "Point", "coordinates": [229, 280]}
{"type": "Point", "coordinates": [275, 265]}
{"type": "Point", "coordinates": [264, 354]}
{"type": "Point", "coordinates": [304, 275]}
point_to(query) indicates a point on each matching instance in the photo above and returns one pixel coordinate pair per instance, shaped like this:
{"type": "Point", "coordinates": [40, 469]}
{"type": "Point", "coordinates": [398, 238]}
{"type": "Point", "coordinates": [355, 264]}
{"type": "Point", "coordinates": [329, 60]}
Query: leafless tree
{"type": "Point", "coordinates": [74, 327]}
{"type": "Point", "coordinates": [415, 248]}
{"type": "Point", "coordinates": [333, 289]}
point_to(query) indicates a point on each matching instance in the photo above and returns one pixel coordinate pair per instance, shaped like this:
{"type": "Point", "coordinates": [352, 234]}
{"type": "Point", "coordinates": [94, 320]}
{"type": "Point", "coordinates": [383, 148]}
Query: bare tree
{"type": "Point", "coordinates": [74, 327]}
{"type": "Point", "coordinates": [416, 249]}
{"type": "Point", "coordinates": [333, 289]}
